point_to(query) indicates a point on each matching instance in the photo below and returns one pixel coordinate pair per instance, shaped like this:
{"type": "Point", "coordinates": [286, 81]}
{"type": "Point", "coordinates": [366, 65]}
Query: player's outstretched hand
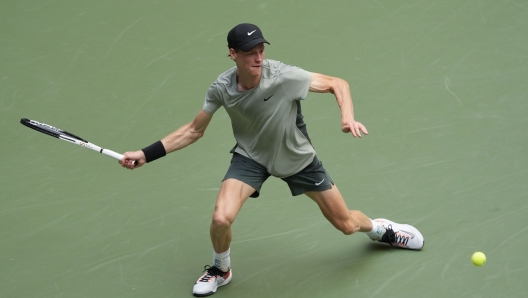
{"type": "Point", "coordinates": [354, 127]}
{"type": "Point", "coordinates": [133, 160]}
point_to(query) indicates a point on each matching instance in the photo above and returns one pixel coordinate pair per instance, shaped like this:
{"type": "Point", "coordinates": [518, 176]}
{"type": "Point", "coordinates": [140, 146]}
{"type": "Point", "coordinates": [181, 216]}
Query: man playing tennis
{"type": "Point", "coordinates": [262, 98]}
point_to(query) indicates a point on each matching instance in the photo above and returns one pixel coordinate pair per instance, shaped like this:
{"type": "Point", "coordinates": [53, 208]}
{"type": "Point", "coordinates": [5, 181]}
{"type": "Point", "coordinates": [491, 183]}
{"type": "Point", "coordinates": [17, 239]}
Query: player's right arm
{"type": "Point", "coordinates": [188, 133]}
{"type": "Point", "coordinates": [180, 138]}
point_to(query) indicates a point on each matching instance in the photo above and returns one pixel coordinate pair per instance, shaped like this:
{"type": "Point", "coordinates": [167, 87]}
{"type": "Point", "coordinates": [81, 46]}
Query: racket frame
{"type": "Point", "coordinates": [68, 137]}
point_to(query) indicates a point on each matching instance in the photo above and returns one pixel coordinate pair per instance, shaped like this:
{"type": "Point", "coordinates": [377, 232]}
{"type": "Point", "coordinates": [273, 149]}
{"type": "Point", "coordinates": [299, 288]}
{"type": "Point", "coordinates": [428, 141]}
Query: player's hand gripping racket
{"type": "Point", "coordinates": [68, 137]}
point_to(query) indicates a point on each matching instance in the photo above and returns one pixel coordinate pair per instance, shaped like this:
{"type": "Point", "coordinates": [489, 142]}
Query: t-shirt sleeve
{"type": "Point", "coordinates": [296, 81]}
{"type": "Point", "coordinates": [212, 100]}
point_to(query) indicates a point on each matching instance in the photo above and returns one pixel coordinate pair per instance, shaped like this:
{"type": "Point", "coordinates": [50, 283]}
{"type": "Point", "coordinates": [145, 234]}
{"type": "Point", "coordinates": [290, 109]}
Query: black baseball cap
{"type": "Point", "coordinates": [245, 37]}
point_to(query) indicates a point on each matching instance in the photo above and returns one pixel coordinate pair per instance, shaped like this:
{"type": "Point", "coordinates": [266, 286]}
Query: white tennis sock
{"type": "Point", "coordinates": [222, 260]}
{"type": "Point", "coordinates": [376, 231]}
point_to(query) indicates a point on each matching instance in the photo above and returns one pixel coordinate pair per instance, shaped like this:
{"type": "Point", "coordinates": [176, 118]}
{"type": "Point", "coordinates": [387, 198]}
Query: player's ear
{"type": "Point", "coordinates": [232, 53]}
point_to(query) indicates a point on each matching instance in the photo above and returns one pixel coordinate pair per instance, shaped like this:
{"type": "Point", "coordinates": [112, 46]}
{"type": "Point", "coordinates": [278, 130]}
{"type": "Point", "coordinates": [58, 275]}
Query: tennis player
{"type": "Point", "coordinates": [263, 99]}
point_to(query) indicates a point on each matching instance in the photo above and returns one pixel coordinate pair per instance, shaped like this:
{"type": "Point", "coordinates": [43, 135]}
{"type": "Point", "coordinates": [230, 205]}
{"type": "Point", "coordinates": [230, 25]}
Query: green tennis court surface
{"type": "Point", "coordinates": [441, 87]}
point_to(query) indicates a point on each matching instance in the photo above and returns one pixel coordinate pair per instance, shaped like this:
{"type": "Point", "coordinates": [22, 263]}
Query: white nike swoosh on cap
{"type": "Point", "coordinates": [249, 33]}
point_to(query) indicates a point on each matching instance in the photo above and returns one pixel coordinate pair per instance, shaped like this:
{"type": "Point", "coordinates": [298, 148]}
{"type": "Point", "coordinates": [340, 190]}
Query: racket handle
{"type": "Point", "coordinates": [115, 155]}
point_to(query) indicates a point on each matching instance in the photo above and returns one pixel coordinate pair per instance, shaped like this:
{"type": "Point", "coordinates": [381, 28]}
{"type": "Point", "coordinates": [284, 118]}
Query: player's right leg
{"type": "Point", "coordinates": [243, 179]}
{"type": "Point", "coordinates": [231, 198]}
{"type": "Point", "coordinates": [233, 194]}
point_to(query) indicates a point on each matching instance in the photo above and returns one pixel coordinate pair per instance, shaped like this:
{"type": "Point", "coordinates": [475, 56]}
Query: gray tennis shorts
{"type": "Point", "coordinates": [312, 178]}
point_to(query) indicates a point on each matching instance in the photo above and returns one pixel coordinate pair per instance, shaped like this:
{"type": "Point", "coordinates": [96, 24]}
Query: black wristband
{"type": "Point", "coordinates": [154, 151]}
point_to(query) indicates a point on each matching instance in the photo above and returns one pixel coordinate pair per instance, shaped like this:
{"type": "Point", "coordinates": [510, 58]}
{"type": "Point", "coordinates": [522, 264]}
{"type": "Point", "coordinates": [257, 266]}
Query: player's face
{"type": "Point", "coordinates": [250, 61]}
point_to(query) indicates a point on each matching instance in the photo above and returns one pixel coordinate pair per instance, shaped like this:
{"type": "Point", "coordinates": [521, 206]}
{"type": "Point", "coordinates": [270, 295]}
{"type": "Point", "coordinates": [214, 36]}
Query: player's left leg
{"type": "Point", "coordinates": [334, 208]}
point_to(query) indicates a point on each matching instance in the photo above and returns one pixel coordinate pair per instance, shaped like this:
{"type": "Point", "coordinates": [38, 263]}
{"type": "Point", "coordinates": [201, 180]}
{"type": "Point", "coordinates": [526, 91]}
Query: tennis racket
{"type": "Point", "coordinates": [68, 137]}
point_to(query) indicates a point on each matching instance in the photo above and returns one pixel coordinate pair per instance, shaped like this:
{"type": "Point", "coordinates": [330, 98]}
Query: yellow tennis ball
{"type": "Point", "coordinates": [478, 258]}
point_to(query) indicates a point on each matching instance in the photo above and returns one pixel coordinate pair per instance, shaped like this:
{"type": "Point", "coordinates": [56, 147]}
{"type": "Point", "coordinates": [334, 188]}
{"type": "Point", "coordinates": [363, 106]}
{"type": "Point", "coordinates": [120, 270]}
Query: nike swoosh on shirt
{"type": "Point", "coordinates": [319, 183]}
{"type": "Point", "coordinates": [266, 99]}
{"type": "Point", "coordinates": [249, 33]}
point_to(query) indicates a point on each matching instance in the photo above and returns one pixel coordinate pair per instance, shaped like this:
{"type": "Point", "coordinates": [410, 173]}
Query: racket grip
{"type": "Point", "coordinates": [115, 155]}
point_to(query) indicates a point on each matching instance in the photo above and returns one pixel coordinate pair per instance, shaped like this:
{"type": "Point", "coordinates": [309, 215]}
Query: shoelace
{"type": "Point", "coordinates": [212, 271]}
{"type": "Point", "coordinates": [389, 236]}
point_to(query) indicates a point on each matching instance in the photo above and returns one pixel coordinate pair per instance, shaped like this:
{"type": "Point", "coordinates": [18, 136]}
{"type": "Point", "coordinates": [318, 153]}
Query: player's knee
{"type": "Point", "coordinates": [220, 221]}
{"type": "Point", "coordinates": [347, 227]}
{"type": "Point", "coordinates": [348, 230]}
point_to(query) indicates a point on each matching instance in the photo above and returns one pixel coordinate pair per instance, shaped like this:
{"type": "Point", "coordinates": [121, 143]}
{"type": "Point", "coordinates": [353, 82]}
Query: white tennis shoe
{"type": "Point", "coordinates": [210, 281]}
{"type": "Point", "coordinates": [400, 235]}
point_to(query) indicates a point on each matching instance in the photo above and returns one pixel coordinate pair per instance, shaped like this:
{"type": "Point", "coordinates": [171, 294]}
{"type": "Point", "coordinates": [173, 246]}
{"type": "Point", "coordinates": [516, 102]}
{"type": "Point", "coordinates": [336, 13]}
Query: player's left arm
{"type": "Point", "coordinates": [326, 84]}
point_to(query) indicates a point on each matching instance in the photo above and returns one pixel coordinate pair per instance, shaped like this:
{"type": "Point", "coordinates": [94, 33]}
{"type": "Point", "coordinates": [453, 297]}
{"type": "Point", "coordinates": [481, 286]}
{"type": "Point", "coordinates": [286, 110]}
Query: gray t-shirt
{"type": "Point", "coordinates": [266, 120]}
